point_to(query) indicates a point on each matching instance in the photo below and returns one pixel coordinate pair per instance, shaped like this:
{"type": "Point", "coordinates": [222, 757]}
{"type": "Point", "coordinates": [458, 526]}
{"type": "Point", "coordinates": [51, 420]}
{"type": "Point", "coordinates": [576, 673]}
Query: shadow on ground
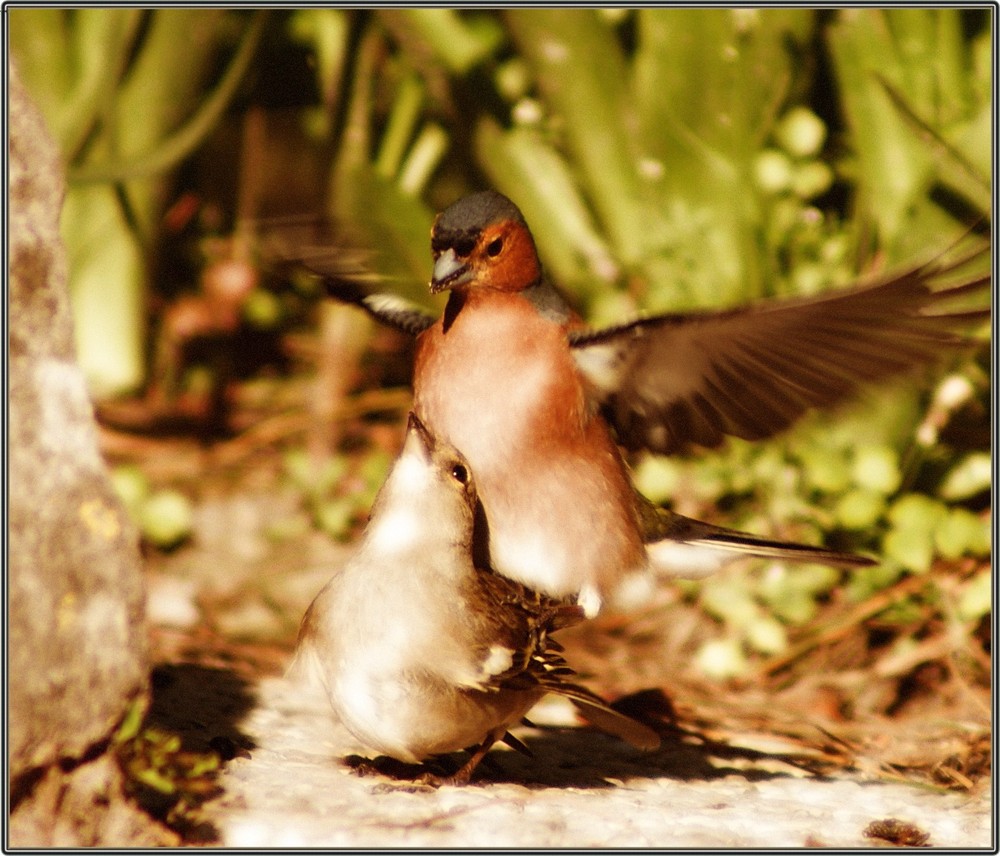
{"type": "Point", "coordinates": [204, 706]}
{"type": "Point", "coordinates": [582, 757]}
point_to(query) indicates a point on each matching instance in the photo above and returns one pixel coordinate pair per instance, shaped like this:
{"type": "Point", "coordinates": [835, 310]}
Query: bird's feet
{"type": "Point", "coordinates": [431, 774]}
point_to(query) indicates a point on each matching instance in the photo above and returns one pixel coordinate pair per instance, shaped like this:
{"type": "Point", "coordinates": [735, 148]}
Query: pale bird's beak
{"type": "Point", "coordinates": [417, 429]}
{"type": "Point", "coordinates": [449, 271]}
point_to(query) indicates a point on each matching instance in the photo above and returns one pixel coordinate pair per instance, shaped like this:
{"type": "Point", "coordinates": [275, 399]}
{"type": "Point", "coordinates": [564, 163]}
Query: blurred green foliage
{"type": "Point", "coordinates": [665, 158]}
{"type": "Point", "coordinates": [127, 94]}
{"type": "Point", "coordinates": [168, 781]}
{"type": "Point", "coordinates": [336, 495]}
{"type": "Point", "coordinates": [165, 516]}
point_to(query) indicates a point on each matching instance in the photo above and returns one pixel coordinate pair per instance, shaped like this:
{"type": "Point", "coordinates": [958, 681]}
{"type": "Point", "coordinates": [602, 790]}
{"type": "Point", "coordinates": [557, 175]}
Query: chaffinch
{"type": "Point", "coordinates": [538, 403]}
{"type": "Point", "coordinates": [421, 652]}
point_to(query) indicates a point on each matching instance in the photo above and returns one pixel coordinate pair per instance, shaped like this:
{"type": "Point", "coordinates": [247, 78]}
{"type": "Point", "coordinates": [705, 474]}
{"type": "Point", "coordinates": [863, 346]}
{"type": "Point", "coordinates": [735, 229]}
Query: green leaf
{"type": "Point", "coordinates": [396, 226]}
{"type": "Point", "coordinates": [783, 580]}
{"type": "Point", "coordinates": [422, 159]}
{"type": "Point", "coordinates": [824, 468]}
{"type": "Point", "coordinates": [905, 611]}
{"type": "Point", "coordinates": [728, 600]}
{"type": "Point", "coordinates": [132, 487]}
{"type": "Point", "coordinates": [773, 171]}
{"type": "Point", "coordinates": [403, 119]}
{"type": "Point", "coordinates": [152, 103]}
{"type": "Point", "coordinates": [107, 276]}
{"type": "Point", "coordinates": [962, 532]}
{"type": "Point", "coordinates": [581, 72]}
{"type": "Point", "coordinates": [794, 606]}
{"type": "Point", "coordinates": [811, 179]}
{"type": "Point", "coordinates": [131, 722]}
{"type": "Point", "coordinates": [864, 582]}
{"type": "Point", "coordinates": [327, 32]}
{"type": "Point", "coordinates": [916, 511]}
{"type": "Point", "coordinates": [335, 516]}
{"type": "Point", "coordinates": [959, 163]}
{"type": "Point", "coordinates": [911, 547]}
{"type": "Point", "coordinates": [385, 218]}
{"type": "Point", "coordinates": [456, 40]}
{"type": "Point", "coordinates": [972, 475]}
{"type": "Point", "coordinates": [708, 85]}
{"type": "Point", "coordinates": [154, 779]}
{"type": "Point", "coordinates": [202, 763]}
{"type": "Point", "coordinates": [313, 480]}
{"type": "Point", "coordinates": [859, 508]}
{"type": "Point", "coordinates": [298, 466]}
{"type": "Point", "coordinates": [712, 80]}
{"type": "Point", "coordinates": [721, 659]}
{"type": "Point", "coordinates": [375, 467]}
{"type": "Point", "coordinates": [523, 165]}
{"type": "Point", "coordinates": [876, 468]}
{"type": "Point", "coordinates": [893, 167]}
{"type": "Point", "coordinates": [657, 478]}
{"type": "Point", "coordinates": [166, 518]}
{"type": "Point", "coordinates": [103, 41]}
{"type": "Point", "coordinates": [40, 42]}
{"type": "Point", "coordinates": [976, 598]}
{"type": "Point", "coordinates": [166, 151]}
{"type": "Point", "coordinates": [801, 133]}
{"type": "Point", "coordinates": [767, 636]}
{"type": "Point", "coordinates": [263, 309]}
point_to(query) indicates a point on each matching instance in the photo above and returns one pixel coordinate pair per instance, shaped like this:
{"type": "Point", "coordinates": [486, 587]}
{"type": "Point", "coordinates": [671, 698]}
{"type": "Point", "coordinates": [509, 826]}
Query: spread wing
{"type": "Point", "coordinates": [670, 381]}
{"type": "Point", "coordinates": [307, 244]}
{"type": "Point", "coordinates": [392, 310]}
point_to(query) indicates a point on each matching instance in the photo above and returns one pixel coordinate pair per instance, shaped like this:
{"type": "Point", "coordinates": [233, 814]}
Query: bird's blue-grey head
{"type": "Point", "coordinates": [458, 229]}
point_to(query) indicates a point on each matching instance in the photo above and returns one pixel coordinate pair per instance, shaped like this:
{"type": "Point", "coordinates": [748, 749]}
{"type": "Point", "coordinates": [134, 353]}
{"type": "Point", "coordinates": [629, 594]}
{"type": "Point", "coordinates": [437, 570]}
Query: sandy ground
{"type": "Point", "coordinates": [747, 778]}
{"type": "Point", "coordinates": [289, 786]}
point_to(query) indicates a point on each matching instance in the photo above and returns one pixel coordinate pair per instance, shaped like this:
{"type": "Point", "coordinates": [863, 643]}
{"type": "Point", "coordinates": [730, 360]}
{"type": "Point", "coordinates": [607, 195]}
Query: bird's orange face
{"type": "Point", "coordinates": [500, 255]}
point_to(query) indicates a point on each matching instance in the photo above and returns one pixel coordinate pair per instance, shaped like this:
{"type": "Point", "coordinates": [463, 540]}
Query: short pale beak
{"type": "Point", "coordinates": [449, 271]}
{"type": "Point", "coordinates": [419, 430]}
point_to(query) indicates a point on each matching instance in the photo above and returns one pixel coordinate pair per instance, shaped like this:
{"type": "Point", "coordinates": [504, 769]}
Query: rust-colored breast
{"type": "Point", "coordinates": [499, 383]}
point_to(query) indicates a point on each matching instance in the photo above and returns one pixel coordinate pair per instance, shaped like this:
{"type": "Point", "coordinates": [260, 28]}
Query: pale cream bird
{"type": "Point", "coordinates": [421, 652]}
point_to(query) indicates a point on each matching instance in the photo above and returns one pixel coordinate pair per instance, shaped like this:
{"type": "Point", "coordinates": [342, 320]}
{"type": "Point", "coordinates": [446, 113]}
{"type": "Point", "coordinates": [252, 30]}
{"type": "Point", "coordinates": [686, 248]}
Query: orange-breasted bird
{"type": "Point", "coordinates": [538, 403]}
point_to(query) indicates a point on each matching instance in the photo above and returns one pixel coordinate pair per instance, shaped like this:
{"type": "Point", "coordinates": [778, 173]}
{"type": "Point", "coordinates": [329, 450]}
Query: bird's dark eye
{"type": "Point", "coordinates": [494, 247]}
{"type": "Point", "coordinates": [460, 473]}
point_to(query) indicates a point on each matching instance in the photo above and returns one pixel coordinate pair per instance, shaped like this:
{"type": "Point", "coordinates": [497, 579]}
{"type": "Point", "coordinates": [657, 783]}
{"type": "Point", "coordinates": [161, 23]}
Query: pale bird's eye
{"type": "Point", "coordinates": [460, 473]}
{"type": "Point", "coordinates": [495, 247]}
